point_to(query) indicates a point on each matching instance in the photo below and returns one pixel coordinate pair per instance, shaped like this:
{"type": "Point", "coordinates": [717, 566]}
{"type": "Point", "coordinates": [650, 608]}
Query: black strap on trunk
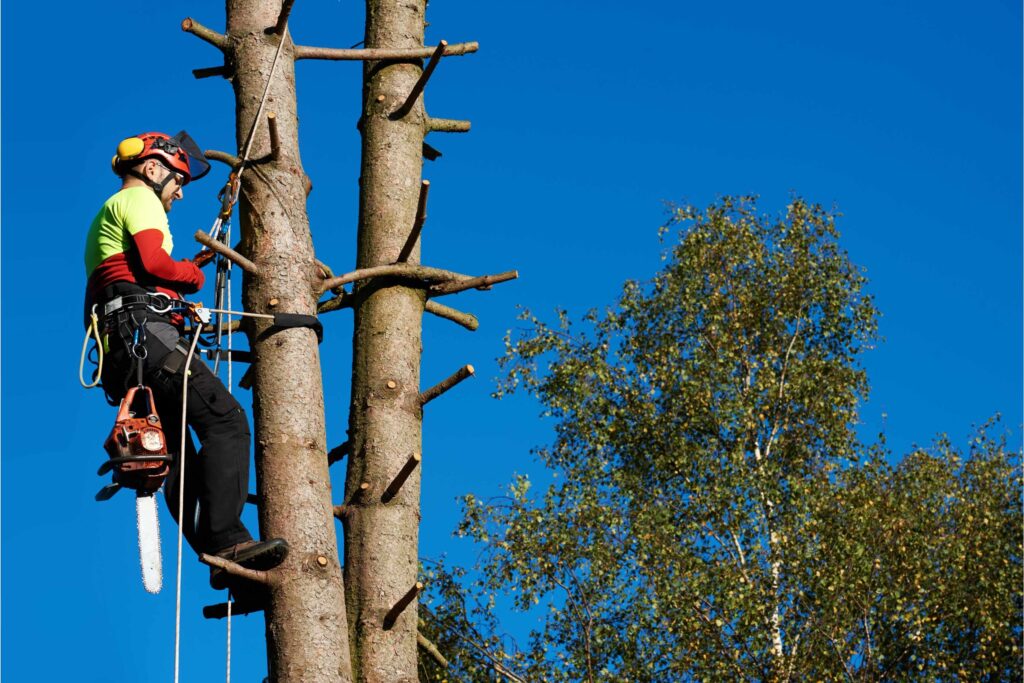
{"type": "Point", "coordinates": [285, 320]}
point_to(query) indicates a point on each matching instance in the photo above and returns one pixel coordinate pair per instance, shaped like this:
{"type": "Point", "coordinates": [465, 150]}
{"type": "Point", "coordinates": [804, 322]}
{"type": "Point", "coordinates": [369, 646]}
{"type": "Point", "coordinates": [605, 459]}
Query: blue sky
{"type": "Point", "coordinates": [587, 116]}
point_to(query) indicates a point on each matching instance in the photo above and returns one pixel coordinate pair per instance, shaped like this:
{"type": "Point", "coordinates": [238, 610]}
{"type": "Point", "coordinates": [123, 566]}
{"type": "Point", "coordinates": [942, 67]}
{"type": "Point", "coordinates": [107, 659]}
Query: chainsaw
{"type": "Point", "coordinates": [139, 460]}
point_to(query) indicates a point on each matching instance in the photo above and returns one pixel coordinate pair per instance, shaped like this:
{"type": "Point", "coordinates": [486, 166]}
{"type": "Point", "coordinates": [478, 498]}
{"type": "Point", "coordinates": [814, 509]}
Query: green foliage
{"type": "Point", "coordinates": [713, 516]}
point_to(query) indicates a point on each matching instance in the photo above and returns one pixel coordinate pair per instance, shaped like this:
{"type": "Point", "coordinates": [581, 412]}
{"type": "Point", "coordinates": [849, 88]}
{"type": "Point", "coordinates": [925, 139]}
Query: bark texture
{"type": "Point", "coordinates": [381, 538]}
{"type": "Point", "coordinates": [307, 633]}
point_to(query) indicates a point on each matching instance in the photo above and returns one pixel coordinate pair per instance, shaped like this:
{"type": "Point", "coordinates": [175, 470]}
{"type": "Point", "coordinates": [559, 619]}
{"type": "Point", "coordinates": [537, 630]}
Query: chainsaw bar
{"type": "Point", "coordinates": [149, 542]}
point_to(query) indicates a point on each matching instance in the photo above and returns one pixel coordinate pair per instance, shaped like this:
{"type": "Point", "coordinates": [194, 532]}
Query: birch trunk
{"type": "Point", "coordinates": [775, 565]}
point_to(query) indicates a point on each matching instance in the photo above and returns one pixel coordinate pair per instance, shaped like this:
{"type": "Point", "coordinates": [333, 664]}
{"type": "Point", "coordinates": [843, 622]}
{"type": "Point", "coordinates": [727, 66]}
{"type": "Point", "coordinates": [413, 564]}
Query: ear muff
{"type": "Point", "coordinates": [127, 149]}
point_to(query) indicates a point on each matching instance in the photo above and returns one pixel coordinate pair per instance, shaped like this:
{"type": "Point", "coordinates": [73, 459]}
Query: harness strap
{"type": "Point", "coordinates": [157, 303]}
{"type": "Point", "coordinates": [175, 360]}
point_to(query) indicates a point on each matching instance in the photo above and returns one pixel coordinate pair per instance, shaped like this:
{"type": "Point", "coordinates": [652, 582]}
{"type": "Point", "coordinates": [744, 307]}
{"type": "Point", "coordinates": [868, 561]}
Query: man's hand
{"type": "Point", "coordinates": [203, 257]}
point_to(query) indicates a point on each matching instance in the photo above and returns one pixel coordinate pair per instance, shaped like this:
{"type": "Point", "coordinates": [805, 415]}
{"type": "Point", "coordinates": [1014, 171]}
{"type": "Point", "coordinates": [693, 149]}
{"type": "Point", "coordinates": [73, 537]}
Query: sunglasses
{"type": "Point", "coordinates": [178, 177]}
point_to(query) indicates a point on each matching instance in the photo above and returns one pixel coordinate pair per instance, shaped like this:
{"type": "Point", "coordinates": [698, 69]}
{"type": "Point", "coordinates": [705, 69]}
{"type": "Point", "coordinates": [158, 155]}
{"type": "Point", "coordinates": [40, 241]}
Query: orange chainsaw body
{"type": "Point", "coordinates": [136, 445]}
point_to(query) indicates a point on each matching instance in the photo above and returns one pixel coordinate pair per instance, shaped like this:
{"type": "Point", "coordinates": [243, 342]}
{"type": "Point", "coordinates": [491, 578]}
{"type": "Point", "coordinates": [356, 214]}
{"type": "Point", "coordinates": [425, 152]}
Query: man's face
{"type": "Point", "coordinates": [172, 191]}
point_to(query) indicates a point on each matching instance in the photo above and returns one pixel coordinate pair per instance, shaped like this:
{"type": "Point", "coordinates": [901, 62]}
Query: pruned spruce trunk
{"type": "Point", "coordinates": [319, 628]}
{"type": "Point", "coordinates": [307, 633]}
{"type": "Point", "coordinates": [381, 533]}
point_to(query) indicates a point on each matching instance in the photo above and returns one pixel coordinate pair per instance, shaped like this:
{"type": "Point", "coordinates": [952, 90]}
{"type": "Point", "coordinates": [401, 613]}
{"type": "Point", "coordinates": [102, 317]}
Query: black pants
{"type": "Point", "coordinates": [217, 477]}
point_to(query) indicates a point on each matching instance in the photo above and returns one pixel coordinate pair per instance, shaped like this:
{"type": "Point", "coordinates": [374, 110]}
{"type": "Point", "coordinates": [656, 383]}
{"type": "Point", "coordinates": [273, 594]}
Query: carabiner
{"type": "Point", "coordinates": [228, 196]}
{"type": "Point", "coordinates": [166, 308]}
{"type": "Point", "coordinates": [138, 347]}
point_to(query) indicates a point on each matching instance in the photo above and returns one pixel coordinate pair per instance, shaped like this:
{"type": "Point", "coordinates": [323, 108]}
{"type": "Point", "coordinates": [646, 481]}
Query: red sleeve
{"type": "Point", "coordinates": [158, 263]}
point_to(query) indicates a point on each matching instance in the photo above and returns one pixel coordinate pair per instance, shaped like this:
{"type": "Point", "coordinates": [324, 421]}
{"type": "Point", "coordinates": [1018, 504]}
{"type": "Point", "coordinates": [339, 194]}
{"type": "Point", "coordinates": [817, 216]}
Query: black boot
{"type": "Point", "coordinates": [258, 555]}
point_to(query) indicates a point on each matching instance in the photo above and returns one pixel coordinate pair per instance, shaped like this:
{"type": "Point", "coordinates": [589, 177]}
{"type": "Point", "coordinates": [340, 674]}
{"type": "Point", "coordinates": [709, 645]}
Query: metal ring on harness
{"type": "Point", "coordinates": [168, 306]}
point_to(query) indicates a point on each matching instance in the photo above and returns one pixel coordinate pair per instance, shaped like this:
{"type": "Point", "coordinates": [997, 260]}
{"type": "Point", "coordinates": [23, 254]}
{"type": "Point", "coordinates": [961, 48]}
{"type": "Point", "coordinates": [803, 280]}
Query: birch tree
{"type": "Point", "coordinates": [711, 517]}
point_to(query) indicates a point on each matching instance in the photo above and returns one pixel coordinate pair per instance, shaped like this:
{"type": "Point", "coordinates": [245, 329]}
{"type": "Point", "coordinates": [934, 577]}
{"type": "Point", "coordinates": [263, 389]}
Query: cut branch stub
{"type": "Point", "coordinates": [448, 126]}
{"type": "Point", "coordinates": [211, 71]}
{"type": "Point", "coordinates": [343, 300]}
{"type": "Point", "coordinates": [482, 282]}
{"type": "Point", "coordinates": [275, 138]}
{"type": "Point", "coordinates": [224, 354]}
{"type": "Point", "coordinates": [223, 157]}
{"type": "Point", "coordinates": [381, 53]}
{"type": "Point", "coordinates": [227, 252]}
{"type": "Point", "coordinates": [396, 484]}
{"type": "Point", "coordinates": [338, 452]}
{"type": "Point", "coordinates": [421, 82]}
{"type": "Point", "coordinates": [282, 18]}
{"type": "Point", "coordinates": [238, 608]}
{"type": "Point", "coordinates": [232, 327]}
{"type": "Point", "coordinates": [340, 511]}
{"type": "Point", "coordinates": [430, 153]}
{"type": "Point", "coordinates": [448, 313]}
{"type": "Point", "coordinates": [446, 384]}
{"type": "Point", "coordinates": [325, 270]}
{"type": "Point", "coordinates": [263, 577]}
{"type": "Point", "coordinates": [392, 616]}
{"type": "Point", "coordinates": [218, 40]}
{"type": "Point", "coordinates": [417, 224]}
{"type": "Point", "coordinates": [358, 494]}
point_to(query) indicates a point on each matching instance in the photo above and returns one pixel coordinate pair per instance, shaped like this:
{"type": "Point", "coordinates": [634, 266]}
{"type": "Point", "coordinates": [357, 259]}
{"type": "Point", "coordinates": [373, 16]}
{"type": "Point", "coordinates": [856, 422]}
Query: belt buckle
{"type": "Point", "coordinates": [112, 305]}
{"type": "Point", "coordinates": [153, 305]}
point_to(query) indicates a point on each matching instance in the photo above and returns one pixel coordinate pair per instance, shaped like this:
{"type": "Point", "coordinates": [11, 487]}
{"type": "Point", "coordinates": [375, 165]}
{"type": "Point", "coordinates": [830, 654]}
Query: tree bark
{"type": "Point", "coordinates": [307, 631]}
{"type": "Point", "coordinates": [381, 538]}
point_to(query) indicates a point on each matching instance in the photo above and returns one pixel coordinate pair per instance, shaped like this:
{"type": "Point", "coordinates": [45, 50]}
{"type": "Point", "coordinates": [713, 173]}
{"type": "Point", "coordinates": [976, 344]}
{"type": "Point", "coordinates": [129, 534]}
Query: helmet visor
{"type": "Point", "coordinates": [198, 166]}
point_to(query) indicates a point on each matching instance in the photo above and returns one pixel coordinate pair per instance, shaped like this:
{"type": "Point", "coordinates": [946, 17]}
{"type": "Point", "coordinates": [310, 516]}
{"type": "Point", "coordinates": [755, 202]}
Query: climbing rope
{"type": "Point", "coordinates": [181, 493]}
{"type": "Point", "coordinates": [228, 675]}
{"type": "Point", "coordinates": [92, 332]}
{"type": "Point", "coordinates": [223, 221]}
{"type": "Point", "coordinates": [230, 391]}
{"type": "Point", "coordinates": [263, 102]}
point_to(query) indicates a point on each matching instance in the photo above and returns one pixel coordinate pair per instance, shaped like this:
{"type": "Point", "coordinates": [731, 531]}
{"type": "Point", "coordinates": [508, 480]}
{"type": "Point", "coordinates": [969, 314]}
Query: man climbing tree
{"type": "Point", "coordinates": [134, 287]}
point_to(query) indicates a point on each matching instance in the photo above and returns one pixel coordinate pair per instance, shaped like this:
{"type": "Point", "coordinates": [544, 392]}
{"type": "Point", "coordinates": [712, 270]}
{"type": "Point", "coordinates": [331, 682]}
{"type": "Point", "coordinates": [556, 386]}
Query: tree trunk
{"type": "Point", "coordinates": [307, 632]}
{"type": "Point", "coordinates": [775, 565]}
{"type": "Point", "coordinates": [381, 531]}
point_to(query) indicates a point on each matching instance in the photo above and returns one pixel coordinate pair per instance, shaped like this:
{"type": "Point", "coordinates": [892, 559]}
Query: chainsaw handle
{"type": "Point", "coordinates": [113, 462]}
{"type": "Point", "coordinates": [129, 400]}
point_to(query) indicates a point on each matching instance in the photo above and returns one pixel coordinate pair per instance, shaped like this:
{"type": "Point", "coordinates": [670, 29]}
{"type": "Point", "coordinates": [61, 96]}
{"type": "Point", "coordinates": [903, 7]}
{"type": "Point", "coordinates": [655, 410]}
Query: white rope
{"type": "Point", "coordinates": [263, 103]}
{"type": "Point", "coordinates": [230, 391]}
{"type": "Point", "coordinates": [230, 601]}
{"type": "Point", "coordinates": [230, 336]}
{"type": "Point", "coordinates": [181, 494]}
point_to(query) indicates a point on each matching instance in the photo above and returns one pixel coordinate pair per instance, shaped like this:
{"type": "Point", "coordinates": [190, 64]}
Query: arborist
{"type": "Point", "coordinates": [132, 285]}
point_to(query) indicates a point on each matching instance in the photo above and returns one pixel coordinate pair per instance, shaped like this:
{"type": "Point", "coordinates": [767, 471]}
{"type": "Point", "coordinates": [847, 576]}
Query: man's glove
{"type": "Point", "coordinates": [203, 257]}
